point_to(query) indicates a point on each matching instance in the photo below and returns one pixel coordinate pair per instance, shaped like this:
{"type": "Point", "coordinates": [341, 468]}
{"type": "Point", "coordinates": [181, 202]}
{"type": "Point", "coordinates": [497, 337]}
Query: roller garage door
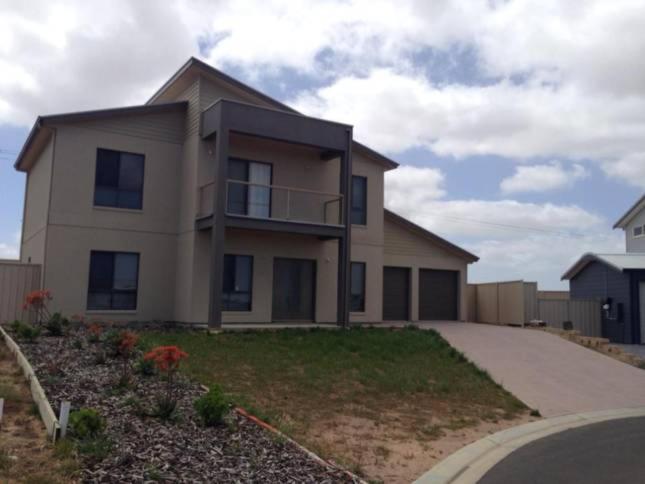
{"type": "Point", "coordinates": [438, 295]}
{"type": "Point", "coordinates": [396, 294]}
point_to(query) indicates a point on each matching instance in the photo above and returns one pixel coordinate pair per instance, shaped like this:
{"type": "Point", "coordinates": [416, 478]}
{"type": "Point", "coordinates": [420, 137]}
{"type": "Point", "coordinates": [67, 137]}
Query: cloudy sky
{"type": "Point", "coordinates": [519, 125]}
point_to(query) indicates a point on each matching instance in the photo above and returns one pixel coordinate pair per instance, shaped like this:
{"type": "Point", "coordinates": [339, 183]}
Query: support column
{"type": "Point", "coordinates": [219, 227]}
{"type": "Point", "coordinates": [345, 242]}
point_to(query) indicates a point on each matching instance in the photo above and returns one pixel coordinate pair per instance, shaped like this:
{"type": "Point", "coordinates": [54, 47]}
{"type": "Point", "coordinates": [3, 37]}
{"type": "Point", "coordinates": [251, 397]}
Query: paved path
{"type": "Point", "coordinates": [546, 372]}
{"type": "Point", "coordinates": [602, 453]}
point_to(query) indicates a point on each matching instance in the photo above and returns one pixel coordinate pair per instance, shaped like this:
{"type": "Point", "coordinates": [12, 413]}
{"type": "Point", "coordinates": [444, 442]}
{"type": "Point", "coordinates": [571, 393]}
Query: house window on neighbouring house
{"type": "Point", "coordinates": [359, 200]}
{"type": "Point", "coordinates": [238, 283]}
{"type": "Point", "coordinates": [357, 287]}
{"type": "Point", "coordinates": [113, 281]}
{"type": "Point", "coordinates": [119, 179]}
{"type": "Point", "coordinates": [638, 231]}
{"type": "Point", "coordinates": [252, 197]}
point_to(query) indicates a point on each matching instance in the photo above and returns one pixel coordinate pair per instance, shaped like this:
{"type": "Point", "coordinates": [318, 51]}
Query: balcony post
{"type": "Point", "coordinates": [345, 242]}
{"type": "Point", "coordinates": [218, 230]}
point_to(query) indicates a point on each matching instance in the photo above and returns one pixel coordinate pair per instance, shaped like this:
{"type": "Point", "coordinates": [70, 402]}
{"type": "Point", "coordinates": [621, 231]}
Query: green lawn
{"type": "Point", "coordinates": [294, 377]}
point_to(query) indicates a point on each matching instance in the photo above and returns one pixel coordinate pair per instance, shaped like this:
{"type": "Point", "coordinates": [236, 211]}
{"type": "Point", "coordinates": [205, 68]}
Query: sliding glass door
{"type": "Point", "coordinates": [252, 196]}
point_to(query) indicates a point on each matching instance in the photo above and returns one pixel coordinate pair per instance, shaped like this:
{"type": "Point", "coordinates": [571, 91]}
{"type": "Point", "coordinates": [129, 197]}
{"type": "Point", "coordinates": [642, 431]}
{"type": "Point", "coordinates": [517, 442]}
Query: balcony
{"type": "Point", "coordinates": [260, 202]}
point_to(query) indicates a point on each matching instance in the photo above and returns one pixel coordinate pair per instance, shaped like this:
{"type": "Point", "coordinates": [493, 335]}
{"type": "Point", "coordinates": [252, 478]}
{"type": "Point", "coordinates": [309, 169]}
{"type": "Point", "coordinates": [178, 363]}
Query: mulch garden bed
{"type": "Point", "coordinates": [146, 448]}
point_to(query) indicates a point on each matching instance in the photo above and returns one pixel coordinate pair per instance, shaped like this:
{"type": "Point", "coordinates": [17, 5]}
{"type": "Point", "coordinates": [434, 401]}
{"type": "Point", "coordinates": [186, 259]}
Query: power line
{"type": "Point", "coordinates": [507, 226]}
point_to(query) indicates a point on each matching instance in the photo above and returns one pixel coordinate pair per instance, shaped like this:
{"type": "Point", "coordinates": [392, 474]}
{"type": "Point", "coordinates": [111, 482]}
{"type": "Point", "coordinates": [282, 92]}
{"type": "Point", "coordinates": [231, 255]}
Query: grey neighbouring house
{"type": "Point", "coordinates": [214, 203]}
{"type": "Point", "coordinates": [617, 280]}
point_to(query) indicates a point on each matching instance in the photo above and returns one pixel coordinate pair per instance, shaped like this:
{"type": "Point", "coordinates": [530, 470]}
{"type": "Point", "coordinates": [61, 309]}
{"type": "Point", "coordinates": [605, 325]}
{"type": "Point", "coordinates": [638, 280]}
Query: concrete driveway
{"type": "Point", "coordinates": [546, 372]}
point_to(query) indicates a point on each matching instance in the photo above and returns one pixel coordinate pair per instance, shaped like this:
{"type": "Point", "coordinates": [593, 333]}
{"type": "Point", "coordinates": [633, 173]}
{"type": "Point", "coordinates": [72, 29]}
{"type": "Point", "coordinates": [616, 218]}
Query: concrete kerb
{"type": "Point", "coordinates": [37, 393]}
{"type": "Point", "coordinates": [470, 464]}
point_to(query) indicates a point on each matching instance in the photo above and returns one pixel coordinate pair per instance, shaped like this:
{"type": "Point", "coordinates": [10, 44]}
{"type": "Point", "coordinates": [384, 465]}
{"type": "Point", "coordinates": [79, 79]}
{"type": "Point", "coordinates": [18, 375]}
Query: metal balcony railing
{"type": "Point", "coordinates": [255, 200]}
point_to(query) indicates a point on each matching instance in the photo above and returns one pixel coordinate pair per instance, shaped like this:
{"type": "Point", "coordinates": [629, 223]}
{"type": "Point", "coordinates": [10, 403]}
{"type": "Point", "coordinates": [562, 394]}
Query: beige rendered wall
{"type": "Point", "coordinates": [406, 249]}
{"type": "Point", "coordinates": [264, 247]}
{"type": "Point", "coordinates": [68, 262]}
{"type": "Point", "coordinates": [76, 227]}
{"type": "Point", "coordinates": [367, 240]}
{"type": "Point", "coordinates": [36, 207]}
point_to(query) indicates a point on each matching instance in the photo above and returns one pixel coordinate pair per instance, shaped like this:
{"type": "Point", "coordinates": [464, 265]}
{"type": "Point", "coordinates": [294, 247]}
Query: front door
{"type": "Point", "coordinates": [294, 289]}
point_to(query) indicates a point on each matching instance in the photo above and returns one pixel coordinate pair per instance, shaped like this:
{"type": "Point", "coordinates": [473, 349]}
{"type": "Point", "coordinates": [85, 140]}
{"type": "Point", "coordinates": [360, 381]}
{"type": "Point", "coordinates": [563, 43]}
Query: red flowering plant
{"type": "Point", "coordinates": [37, 301]}
{"type": "Point", "coordinates": [125, 349]}
{"type": "Point", "coordinates": [167, 360]}
{"type": "Point", "coordinates": [94, 330]}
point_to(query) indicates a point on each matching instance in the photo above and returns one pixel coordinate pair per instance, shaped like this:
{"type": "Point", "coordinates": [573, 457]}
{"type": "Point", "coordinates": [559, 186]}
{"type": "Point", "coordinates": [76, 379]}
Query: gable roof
{"type": "Point", "coordinates": [618, 262]}
{"type": "Point", "coordinates": [429, 236]}
{"type": "Point", "coordinates": [631, 213]}
{"type": "Point", "coordinates": [40, 131]}
{"type": "Point", "coordinates": [193, 65]}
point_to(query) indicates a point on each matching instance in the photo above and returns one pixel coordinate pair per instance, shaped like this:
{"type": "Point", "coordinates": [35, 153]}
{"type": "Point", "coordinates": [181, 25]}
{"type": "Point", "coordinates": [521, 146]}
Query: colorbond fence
{"type": "Point", "coordinates": [518, 302]}
{"type": "Point", "coordinates": [16, 281]}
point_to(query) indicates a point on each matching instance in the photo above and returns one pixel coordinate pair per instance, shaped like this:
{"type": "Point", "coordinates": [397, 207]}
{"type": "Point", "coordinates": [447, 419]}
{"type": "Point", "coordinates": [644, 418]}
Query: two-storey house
{"type": "Point", "coordinates": [214, 203]}
{"type": "Point", "coordinates": [617, 280]}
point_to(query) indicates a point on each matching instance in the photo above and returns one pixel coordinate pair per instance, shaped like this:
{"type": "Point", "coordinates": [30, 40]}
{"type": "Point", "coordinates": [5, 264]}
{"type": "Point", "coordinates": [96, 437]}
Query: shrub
{"type": "Point", "coordinates": [167, 360]}
{"type": "Point", "coordinates": [212, 407]}
{"type": "Point", "coordinates": [95, 448]}
{"type": "Point", "coordinates": [146, 367]}
{"type": "Point", "coordinates": [15, 325]}
{"type": "Point", "coordinates": [56, 324]}
{"type": "Point", "coordinates": [165, 407]}
{"type": "Point", "coordinates": [86, 423]}
{"type": "Point", "coordinates": [112, 340]}
{"type": "Point", "coordinates": [26, 332]}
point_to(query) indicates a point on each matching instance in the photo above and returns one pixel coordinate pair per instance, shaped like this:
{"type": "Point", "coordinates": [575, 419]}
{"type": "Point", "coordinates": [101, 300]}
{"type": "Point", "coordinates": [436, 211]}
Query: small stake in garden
{"type": "Point", "coordinates": [1, 407]}
{"type": "Point", "coordinates": [63, 418]}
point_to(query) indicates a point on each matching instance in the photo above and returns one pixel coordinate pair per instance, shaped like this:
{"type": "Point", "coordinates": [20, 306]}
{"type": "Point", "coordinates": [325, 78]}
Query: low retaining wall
{"type": "Point", "coordinates": [37, 393]}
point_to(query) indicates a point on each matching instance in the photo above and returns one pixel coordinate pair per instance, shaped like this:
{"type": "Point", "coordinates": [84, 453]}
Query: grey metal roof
{"type": "Point", "coordinates": [619, 262]}
{"type": "Point", "coordinates": [80, 116]}
{"type": "Point", "coordinates": [196, 63]}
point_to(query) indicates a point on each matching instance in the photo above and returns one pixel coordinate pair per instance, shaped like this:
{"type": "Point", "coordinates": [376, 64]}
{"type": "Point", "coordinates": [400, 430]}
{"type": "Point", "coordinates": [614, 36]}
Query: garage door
{"type": "Point", "coordinates": [438, 294]}
{"type": "Point", "coordinates": [396, 294]}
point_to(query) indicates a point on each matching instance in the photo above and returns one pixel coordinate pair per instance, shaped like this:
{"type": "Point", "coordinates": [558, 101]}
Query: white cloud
{"type": "Point", "coordinates": [567, 79]}
{"type": "Point", "coordinates": [67, 56]}
{"type": "Point", "coordinates": [11, 250]}
{"type": "Point", "coordinates": [514, 240]}
{"type": "Point", "coordinates": [541, 258]}
{"type": "Point", "coordinates": [541, 178]}
{"type": "Point", "coordinates": [8, 251]}
{"type": "Point", "coordinates": [394, 111]}
{"type": "Point", "coordinates": [630, 168]}
{"type": "Point", "coordinates": [417, 193]}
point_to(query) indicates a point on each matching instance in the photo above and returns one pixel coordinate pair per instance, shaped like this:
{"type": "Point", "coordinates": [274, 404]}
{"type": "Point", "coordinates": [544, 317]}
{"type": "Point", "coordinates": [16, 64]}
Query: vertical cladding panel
{"type": "Point", "coordinates": [530, 301]}
{"type": "Point", "coordinates": [598, 282]}
{"type": "Point", "coordinates": [635, 244]}
{"type": "Point", "coordinates": [16, 281]}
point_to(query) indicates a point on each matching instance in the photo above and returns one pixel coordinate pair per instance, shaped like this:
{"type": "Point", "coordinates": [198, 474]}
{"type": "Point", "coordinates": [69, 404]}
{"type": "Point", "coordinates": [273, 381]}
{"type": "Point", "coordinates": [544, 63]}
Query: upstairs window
{"type": "Point", "coordinates": [237, 283]}
{"type": "Point", "coordinates": [119, 179]}
{"type": "Point", "coordinates": [359, 200]}
{"type": "Point", "coordinates": [114, 280]}
{"type": "Point", "coordinates": [249, 191]}
{"type": "Point", "coordinates": [638, 231]}
{"type": "Point", "coordinates": [357, 287]}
